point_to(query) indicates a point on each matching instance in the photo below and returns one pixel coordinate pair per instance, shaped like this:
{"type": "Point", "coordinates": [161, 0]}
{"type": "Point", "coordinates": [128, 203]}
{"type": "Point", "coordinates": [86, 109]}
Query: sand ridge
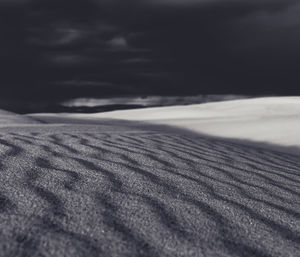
{"type": "Point", "coordinates": [11, 119]}
{"type": "Point", "coordinates": [272, 120]}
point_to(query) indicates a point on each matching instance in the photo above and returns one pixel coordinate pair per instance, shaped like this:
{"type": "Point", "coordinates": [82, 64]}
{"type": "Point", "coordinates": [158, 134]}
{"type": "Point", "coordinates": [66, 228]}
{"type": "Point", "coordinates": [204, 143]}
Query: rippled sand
{"type": "Point", "coordinates": [116, 188]}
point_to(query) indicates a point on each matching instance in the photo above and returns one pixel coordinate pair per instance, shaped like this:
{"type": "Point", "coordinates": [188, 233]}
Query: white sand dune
{"type": "Point", "coordinates": [274, 120]}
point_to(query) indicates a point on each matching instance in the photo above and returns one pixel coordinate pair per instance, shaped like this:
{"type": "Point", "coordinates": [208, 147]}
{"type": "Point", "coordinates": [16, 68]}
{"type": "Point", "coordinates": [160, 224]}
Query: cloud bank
{"type": "Point", "coordinates": [149, 47]}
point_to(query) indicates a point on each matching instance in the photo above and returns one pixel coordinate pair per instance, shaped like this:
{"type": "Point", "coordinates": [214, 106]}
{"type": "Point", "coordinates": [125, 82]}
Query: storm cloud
{"type": "Point", "coordinates": [64, 49]}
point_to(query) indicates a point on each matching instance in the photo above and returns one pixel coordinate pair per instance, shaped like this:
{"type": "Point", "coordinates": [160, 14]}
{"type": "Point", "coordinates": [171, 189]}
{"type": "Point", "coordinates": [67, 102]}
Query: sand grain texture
{"type": "Point", "coordinates": [117, 189]}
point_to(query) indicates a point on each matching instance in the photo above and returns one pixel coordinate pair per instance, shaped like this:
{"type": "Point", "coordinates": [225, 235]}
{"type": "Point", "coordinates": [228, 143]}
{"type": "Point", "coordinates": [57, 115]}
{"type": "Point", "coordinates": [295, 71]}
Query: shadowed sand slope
{"type": "Point", "coordinates": [112, 190]}
{"type": "Point", "coordinates": [10, 119]}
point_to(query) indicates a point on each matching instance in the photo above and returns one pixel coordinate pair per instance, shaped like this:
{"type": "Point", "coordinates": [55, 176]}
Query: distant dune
{"type": "Point", "coordinates": [10, 119]}
{"type": "Point", "coordinates": [273, 120]}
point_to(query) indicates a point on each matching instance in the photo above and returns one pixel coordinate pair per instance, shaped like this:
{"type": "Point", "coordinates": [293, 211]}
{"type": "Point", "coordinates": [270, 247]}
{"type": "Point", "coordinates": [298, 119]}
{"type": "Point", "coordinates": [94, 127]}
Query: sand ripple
{"type": "Point", "coordinates": [145, 193]}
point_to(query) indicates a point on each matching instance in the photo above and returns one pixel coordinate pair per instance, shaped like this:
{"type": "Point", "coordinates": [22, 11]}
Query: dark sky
{"type": "Point", "coordinates": [52, 49]}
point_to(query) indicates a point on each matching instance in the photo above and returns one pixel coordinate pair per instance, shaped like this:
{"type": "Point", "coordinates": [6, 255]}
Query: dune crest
{"type": "Point", "coordinates": [272, 120]}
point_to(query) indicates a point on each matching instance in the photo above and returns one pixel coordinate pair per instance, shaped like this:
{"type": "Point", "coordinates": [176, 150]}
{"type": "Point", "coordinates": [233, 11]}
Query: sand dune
{"type": "Point", "coordinates": [117, 188]}
{"type": "Point", "coordinates": [11, 119]}
{"type": "Point", "coordinates": [273, 120]}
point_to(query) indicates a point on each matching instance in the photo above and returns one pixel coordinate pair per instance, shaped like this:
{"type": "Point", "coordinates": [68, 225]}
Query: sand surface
{"type": "Point", "coordinates": [121, 188]}
{"type": "Point", "coordinates": [273, 120]}
{"type": "Point", "coordinates": [12, 119]}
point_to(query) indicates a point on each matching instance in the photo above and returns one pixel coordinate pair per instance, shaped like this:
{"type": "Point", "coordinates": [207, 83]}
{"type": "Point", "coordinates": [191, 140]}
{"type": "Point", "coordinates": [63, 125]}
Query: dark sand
{"type": "Point", "coordinates": [123, 189]}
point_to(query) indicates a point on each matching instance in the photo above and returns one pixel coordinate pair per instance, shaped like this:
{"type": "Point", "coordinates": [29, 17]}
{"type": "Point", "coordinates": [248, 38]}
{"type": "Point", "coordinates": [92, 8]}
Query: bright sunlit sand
{"type": "Point", "coordinates": [273, 120]}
